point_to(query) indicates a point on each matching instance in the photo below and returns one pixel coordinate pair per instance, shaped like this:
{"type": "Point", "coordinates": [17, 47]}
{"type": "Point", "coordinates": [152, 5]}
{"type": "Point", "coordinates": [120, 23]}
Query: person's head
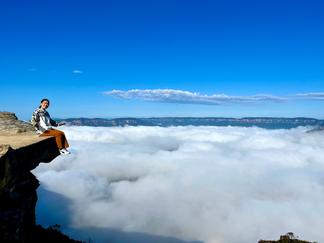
{"type": "Point", "coordinates": [44, 103]}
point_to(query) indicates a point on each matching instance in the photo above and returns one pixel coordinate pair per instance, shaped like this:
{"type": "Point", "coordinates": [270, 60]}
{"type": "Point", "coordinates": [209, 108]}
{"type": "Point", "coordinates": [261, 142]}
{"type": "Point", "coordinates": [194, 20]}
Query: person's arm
{"type": "Point", "coordinates": [53, 123]}
{"type": "Point", "coordinates": [61, 123]}
{"type": "Point", "coordinates": [35, 120]}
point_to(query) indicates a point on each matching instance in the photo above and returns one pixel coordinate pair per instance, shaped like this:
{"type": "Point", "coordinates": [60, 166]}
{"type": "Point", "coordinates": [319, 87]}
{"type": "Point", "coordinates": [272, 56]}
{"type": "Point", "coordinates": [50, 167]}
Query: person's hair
{"type": "Point", "coordinates": [45, 99]}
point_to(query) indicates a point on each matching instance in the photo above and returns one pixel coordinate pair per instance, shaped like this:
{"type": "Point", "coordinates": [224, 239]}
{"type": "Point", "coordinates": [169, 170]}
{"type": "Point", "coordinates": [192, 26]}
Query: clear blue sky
{"type": "Point", "coordinates": [73, 51]}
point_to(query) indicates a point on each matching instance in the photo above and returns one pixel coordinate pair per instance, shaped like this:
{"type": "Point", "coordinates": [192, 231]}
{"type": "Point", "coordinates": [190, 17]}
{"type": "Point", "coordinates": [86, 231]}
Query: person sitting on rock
{"type": "Point", "coordinates": [44, 124]}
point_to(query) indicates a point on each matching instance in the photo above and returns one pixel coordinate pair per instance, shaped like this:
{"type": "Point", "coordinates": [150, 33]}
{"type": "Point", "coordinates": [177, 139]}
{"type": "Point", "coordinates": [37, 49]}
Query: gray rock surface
{"type": "Point", "coordinates": [10, 124]}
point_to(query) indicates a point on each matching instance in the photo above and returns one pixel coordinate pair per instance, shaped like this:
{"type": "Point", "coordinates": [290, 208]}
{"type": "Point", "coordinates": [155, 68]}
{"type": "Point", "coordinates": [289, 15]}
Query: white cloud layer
{"type": "Point", "coordinates": [214, 184]}
{"type": "Point", "coordinates": [180, 96]}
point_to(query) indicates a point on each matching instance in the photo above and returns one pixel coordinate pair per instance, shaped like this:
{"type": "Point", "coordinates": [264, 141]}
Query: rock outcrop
{"type": "Point", "coordinates": [20, 152]}
{"type": "Point", "coordinates": [9, 124]}
{"type": "Point", "coordinates": [287, 238]}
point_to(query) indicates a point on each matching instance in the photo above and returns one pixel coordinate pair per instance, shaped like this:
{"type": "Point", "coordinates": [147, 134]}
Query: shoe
{"type": "Point", "coordinates": [64, 151]}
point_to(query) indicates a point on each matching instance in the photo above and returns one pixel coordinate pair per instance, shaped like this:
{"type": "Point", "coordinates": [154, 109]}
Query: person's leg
{"type": "Point", "coordinates": [60, 138]}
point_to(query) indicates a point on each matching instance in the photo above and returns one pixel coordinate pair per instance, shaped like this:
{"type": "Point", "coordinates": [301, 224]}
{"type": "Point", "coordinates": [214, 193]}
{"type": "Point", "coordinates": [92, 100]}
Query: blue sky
{"type": "Point", "coordinates": [163, 58]}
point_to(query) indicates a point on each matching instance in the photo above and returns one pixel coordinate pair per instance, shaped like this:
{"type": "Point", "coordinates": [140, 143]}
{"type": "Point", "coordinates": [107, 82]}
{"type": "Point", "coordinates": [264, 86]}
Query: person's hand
{"type": "Point", "coordinates": [61, 123]}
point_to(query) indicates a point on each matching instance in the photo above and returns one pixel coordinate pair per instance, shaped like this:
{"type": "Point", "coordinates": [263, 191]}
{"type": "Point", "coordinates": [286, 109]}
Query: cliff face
{"type": "Point", "coordinates": [20, 152]}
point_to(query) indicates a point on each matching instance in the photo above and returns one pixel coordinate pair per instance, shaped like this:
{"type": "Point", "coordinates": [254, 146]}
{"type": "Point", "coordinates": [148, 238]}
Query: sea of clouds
{"type": "Point", "coordinates": [211, 184]}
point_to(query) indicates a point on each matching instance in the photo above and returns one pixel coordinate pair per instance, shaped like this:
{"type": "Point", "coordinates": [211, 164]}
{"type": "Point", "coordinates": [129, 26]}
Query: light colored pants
{"type": "Point", "coordinates": [59, 137]}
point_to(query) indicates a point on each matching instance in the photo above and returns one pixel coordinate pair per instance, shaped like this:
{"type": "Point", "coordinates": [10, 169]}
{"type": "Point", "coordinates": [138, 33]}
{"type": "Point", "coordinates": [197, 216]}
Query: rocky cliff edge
{"type": "Point", "coordinates": [21, 150]}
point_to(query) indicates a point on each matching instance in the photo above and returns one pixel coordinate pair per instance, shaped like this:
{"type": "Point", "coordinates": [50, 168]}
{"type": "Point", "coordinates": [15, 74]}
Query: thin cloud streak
{"type": "Point", "coordinates": [313, 96]}
{"type": "Point", "coordinates": [181, 96]}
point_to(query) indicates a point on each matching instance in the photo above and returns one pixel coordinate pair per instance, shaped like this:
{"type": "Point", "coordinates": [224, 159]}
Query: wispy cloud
{"type": "Point", "coordinates": [32, 69]}
{"type": "Point", "coordinates": [313, 96]}
{"type": "Point", "coordinates": [187, 97]}
{"type": "Point", "coordinates": [181, 96]}
{"type": "Point", "coordinates": [77, 71]}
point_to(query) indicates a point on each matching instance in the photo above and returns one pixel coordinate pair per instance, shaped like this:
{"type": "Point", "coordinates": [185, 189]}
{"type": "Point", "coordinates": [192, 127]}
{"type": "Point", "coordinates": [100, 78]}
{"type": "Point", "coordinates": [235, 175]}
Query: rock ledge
{"type": "Point", "coordinates": [20, 152]}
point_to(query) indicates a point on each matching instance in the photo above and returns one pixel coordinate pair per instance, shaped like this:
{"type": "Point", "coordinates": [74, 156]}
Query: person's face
{"type": "Point", "coordinates": [44, 104]}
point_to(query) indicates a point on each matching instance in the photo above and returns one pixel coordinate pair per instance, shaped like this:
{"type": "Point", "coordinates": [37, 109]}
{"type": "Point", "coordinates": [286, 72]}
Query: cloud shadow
{"type": "Point", "coordinates": [53, 208]}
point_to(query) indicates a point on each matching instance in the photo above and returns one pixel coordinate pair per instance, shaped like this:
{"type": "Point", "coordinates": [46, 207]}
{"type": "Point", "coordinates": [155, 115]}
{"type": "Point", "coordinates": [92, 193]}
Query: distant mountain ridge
{"type": "Point", "coordinates": [264, 122]}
